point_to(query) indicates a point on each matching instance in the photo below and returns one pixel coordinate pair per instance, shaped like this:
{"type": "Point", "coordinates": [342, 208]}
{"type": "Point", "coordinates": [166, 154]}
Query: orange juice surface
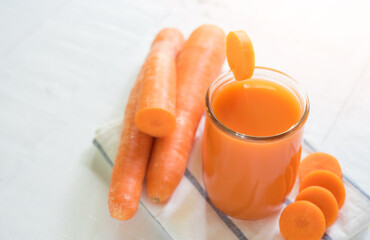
{"type": "Point", "coordinates": [246, 178]}
{"type": "Point", "coordinates": [256, 107]}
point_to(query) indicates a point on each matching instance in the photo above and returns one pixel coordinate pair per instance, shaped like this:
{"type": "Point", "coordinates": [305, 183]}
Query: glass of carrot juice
{"type": "Point", "coordinates": [252, 142]}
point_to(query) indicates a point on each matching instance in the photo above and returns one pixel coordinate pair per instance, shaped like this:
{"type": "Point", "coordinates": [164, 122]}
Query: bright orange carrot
{"type": "Point", "coordinates": [319, 160]}
{"type": "Point", "coordinates": [240, 54]}
{"type": "Point", "coordinates": [156, 113]}
{"type": "Point", "coordinates": [131, 161]}
{"type": "Point", "coordinates": [322, 198]}
{"type": "Point", "coordinates": [328, 180]}
{"type": "Point", "coordinates": [198, 64]}
{"type": "Point", "coordinates": [302, 220]}
{"type": "Point", "coordinates": [132, 157]}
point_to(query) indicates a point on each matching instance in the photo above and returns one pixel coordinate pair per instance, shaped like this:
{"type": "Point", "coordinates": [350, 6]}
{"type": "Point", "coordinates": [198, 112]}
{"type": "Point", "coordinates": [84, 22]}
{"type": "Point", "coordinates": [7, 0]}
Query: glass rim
{"type": "Point", "coordinates": [297, 125]}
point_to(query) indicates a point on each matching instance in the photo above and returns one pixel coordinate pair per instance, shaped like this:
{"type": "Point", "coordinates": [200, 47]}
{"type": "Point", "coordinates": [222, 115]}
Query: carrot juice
{"type": "Point", "coordinates": [252, 142]}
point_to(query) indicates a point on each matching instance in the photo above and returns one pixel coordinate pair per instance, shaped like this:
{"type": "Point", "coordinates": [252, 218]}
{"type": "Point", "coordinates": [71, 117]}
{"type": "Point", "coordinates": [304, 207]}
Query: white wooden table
{"type": "Point", "coordinates": [66, 67]}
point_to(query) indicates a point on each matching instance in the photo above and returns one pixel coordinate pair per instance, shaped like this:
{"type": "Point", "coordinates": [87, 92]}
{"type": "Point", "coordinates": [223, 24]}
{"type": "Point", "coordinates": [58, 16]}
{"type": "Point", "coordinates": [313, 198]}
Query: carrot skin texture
{"type": "Point", "coordinates": [131, 162]}
{"type": "Point", "coordinates": [156, 113]}
{"type": "Point", "coordinates": [132, 157]}
{"type": "Point", "coordinates": [198, 64]}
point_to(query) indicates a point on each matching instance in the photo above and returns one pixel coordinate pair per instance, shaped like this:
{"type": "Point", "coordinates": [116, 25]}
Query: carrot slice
{"type": "Point", "coordinates": [240, 54]}
{"type": "Point", "coordinates": [131, 160]}
{"type": "Point", "coordinates": [328, 180]}
{"type": "Point", "coordinates": [302, 220]}
{"type": "Point", "coordinates": [319, 160]}
{"type": "Point", "coordinates": [156, 113]}
{"type": "Point", "coordinates": [322, 198]}
{"type": "Point", "coordinates": [198, 64]}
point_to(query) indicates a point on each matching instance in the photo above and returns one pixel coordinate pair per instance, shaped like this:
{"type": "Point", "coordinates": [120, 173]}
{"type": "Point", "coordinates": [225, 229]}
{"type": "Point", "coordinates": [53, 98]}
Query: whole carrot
{"type": "Point", "coordinates": [131, 161]}
{"type": "Point", "coordinates": [156, 113]}
{"type": "Point", "coordinates": [134, 148]}
{"type": "Point", "coordinates": [198, 64]}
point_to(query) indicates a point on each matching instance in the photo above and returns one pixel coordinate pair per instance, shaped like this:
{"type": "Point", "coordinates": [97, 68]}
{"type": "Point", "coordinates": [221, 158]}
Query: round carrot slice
{"type": "Point", "coordinates": [328, 180]}
{"type": "Point", "coordinates": [319, 160]}
{"type": "Point", "coordinates": [322, 198]}
{"type": "Point", "coordinates": [302, 220]}
{"type": "Point", "coordinates": [240, 54]}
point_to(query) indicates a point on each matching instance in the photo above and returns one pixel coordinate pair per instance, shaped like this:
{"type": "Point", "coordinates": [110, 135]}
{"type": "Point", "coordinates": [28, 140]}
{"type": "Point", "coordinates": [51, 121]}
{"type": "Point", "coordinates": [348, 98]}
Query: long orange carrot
{"type": "Point", "coordinates": [198, 64]}
{"type": "Point", "coordinates": [131, 161]}
{"type": "Point", "coordinates": [156, 113]}
{"type": "Point", "coordinates": [132, 156]}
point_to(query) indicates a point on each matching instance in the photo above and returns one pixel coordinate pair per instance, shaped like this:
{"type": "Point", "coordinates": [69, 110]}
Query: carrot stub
{"type": "Point", "coordinates": [240, 54]}
{"type": "Point", "coordinates": [328, 180]}
{"type": "Point", "coordinates": [132, 156]}
{"type": "Point", "coordinates": [322, 198]}
{"type": "Point", "coordinates": [319, 160]}
{"type": "Point", "coordinates": [198, 64]}
{"type": "Point", "coordinates": [156, 113]}
{"type": "Point", "coordinates": [302, 220]}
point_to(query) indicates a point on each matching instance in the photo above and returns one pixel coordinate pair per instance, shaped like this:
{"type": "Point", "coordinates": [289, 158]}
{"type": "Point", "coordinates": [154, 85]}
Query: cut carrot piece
{"type": "Point", "coordinates": [328, 180]}
{"type": "Point", "coordinates": [198, 64]}
{"type": "Point", "coordinates": [131, 161]}
{"type": "Point", "coordinates": [156, 113]}
{"type": "Point", "coordinates": [240, 54]}
{"type": "Point", "coordinates": [319, 160]}
{"type": "Point", "coordinates": [302, 220]}
{"type": "Point", "coordinates": [322, 198]}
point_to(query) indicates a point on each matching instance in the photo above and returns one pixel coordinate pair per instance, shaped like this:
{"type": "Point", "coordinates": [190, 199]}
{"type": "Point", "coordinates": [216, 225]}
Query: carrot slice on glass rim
{"type": "Point", "coordinates": [240, 54]}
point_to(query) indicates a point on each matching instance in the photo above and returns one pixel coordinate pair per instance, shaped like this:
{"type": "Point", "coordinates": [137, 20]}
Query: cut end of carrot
{"type": "Point", "coordinates": [240, 54]}
{"type": "Point", "coordinates": [327, 180]}
{"type": "Point", "coordinates": [155, 122]}
{"type": "Point", "coordinates": [322, 198]}
{"type": "Point", "coordinates": [302, 220]}
{"type": "Point", "coordinates": [317, 161]}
